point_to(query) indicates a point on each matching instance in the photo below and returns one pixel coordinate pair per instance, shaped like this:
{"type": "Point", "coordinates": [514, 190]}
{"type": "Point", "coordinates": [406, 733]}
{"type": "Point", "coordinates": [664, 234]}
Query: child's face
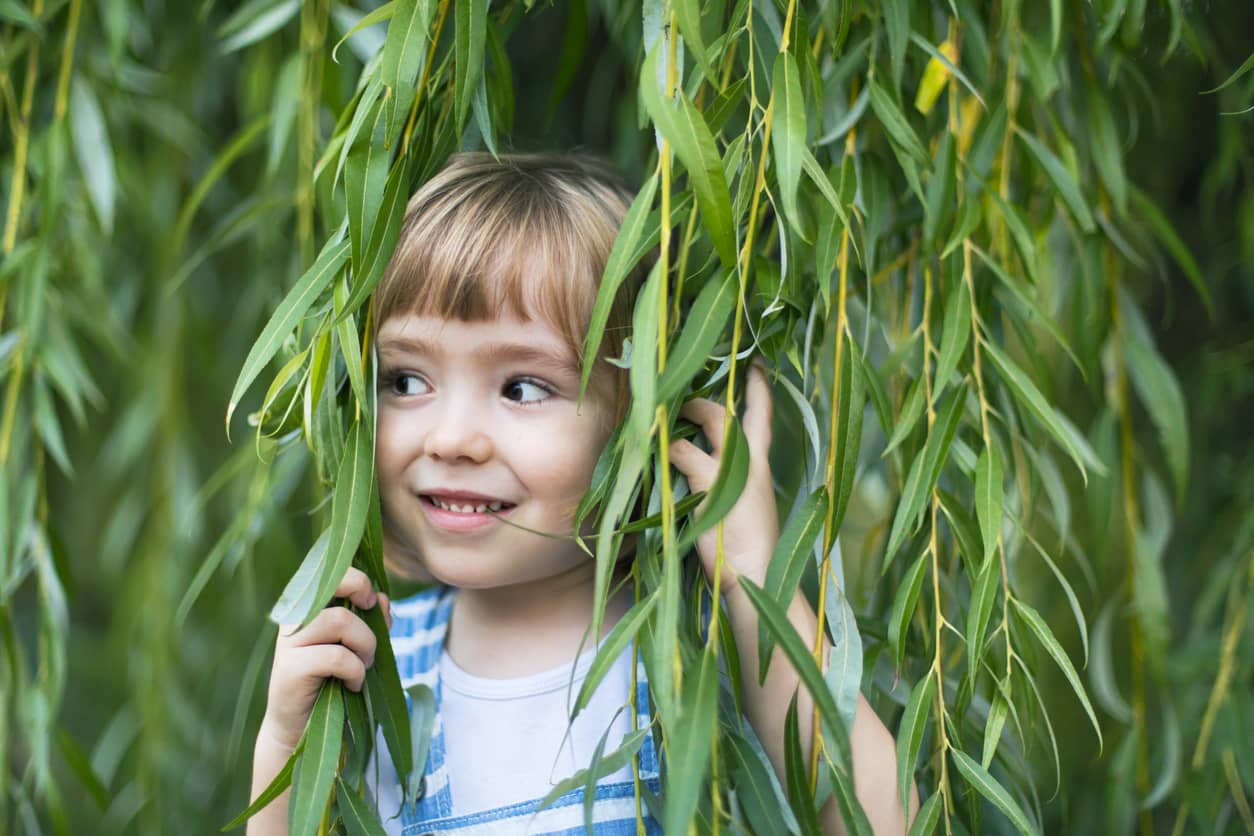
{"type": "Point", "coordinates": [472, 414]}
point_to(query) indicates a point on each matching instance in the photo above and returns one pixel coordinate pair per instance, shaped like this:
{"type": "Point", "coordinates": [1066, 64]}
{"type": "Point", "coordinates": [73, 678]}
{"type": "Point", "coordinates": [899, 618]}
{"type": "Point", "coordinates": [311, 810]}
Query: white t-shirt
{"type": "Point", "coordinates": [507, 740]}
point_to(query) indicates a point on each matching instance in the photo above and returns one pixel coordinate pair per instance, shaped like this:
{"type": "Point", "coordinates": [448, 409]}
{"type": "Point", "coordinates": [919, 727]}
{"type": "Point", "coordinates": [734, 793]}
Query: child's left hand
{"type": "Point", "coordinates": [751, 528]}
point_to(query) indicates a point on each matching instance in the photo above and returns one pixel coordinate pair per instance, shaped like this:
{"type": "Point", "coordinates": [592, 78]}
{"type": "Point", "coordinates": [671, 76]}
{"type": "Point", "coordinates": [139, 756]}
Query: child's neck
{"type": "Point", "coordinates": [508, 632]}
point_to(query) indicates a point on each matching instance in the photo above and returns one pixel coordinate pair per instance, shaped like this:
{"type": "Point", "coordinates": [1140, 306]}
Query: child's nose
{"type": "Point", "coordinates": [458, 433]}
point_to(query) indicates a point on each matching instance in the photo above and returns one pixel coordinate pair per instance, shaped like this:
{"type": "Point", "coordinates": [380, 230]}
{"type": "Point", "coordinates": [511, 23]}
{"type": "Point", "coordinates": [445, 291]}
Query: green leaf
{"type": "Point", "coordinates": [316, 767]}
{"type": "Point", "coordinates": [896, 124]}
{"type": "Point", "coordinates": [1046, 637]}
{"type": "Point", "coordinates": [956, 331]}
{"type": "Point", "coordinates": [986, 785]}
{"type": "Point", "coordinates": [751, 775]}
{"type": "Point", "coordinates": [386, 697]}
{"type": "Point", "coordinates": [925, 822]}
{"type": "Point", "coordinates": [1232, 79]}
{"type": "Point", "coordinates": [988, 496]}
{"type": "Point", "coordinates": [788, 141]}
{"type": "Point", "coordinates": [365, 180]}
{"type": "Point", "coordinates": [1167, 236]}
{"type": "Point", "coordinates": [643, 372]}
{"type": "Point", "coordinates": [301, 591]}
{"type": "Point", "coordinates": [785, 635]}
{"type": "Point", "coordinates": [350, 348]}
{"type": "Point", "coordinates": [93, 151]}
{"type": "Point", "coordinates": [384, 233]}
{"type": "Point", "coordinates": [897, 27]}
{"type": "Point", "coordinates": [421, 728]}
{"type": "Point", "coordinates": [800, 799]}
{"type": "Point", "coordinates": [910, 733]}
{"type": "Point", "coordinates": [1068, 190]}
{"type": "Point", "coordinates": [622, 259]}
{"type": "Point", "coordinates": [911, 409]}
{"type": "Point", "coordinates": [78, 762]}
{"type": "Point", "coordinates": [281, 782]}
{"type": "Point", "coordinates": [287, 315]}
{"type": "Point", "coordinates": [904, 603]}
{"type": "Point", "coordinates": [923, 44]}
{"type": "Point", "coordinates": [471, 19]}
{"type": "Point", "coordinates": [1161, 395]}
{"type": "Point", "coordinates": [965, 225]}
{"type": "Point", "coordinates": [688, 15]}
{"type": "Point", "coordinates": [733, 472]}
{"type": "Point", "coordinates": [359, 819]}
{"type": "Point", "coordinates": [702, 328]}
{"type": "Point", "coordinates": [682, 124]}
{"type": "Point", "coordinates": [403, 54]}
{"type": "Point", "coordinates": [851, 812]}
{"type": "Point", "coordinates": [924, 472]}
{"type": "Point", "coordinates": [379, 15]}
{"type": "Point", "coordinates": [349, 509]}
{"type": "Point", "coordinates": [993, 727]}
{"type": "Point", "coordinates": [1029, 396]}
{"type": "Point", "coordinates": [1107, 149]}
{"type": "Point", "coordinates": [788, 563]}
{"type": "Point", "coordinates": [606, 765]}
{"type": "Point", "coordinates": [692, 738]}
{"type": "Point", "coordinates": [255, 21]}
{"type": "Point", "coordinates": [612, 647]}
{"type": "Point", "coordinates": [848, 433]}
{"type": "Point", "coordinates": [284, 106]}
{"type": "Point", "coordinates": [983, 595]}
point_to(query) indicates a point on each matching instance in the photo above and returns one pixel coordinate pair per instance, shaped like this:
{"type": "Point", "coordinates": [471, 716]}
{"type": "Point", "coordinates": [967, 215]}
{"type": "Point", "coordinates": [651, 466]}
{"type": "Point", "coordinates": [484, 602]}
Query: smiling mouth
{"type": "Point", "coordinates": [467, 507]}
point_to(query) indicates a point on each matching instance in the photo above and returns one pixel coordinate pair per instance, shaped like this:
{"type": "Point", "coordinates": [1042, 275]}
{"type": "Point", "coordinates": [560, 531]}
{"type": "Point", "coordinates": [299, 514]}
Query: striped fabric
{"type": "Point", "coordinates": [418, 629]}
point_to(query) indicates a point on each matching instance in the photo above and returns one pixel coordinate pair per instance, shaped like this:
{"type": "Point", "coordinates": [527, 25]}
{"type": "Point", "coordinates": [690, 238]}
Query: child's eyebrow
{"type": "Point", "coordinates": [490, 352]}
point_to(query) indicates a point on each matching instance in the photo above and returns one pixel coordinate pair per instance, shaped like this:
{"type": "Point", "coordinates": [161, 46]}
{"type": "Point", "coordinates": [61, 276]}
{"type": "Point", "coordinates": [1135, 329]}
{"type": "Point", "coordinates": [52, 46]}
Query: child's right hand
{"type": "Point", "coordinates": [336, 643]}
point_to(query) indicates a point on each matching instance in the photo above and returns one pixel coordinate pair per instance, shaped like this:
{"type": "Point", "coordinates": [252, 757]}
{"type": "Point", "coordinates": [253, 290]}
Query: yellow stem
{"type": "Point", "coordinates": [67, 59]}
{"type": "Point", "coordinates": [441, 15]}
{"type": "Point", "coordinates": [21, 144]}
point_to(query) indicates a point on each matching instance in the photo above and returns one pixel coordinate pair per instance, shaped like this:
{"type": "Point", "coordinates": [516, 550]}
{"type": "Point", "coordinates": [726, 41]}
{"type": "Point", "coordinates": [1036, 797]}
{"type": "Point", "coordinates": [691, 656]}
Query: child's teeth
{"type": "Point", "coordinates": [466, 509]}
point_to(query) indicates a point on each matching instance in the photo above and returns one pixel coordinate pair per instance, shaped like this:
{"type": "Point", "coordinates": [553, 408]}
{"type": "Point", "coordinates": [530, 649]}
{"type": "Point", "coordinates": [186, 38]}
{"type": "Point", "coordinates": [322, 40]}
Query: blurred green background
{"type": "Point", "coordinates": [165, 214]}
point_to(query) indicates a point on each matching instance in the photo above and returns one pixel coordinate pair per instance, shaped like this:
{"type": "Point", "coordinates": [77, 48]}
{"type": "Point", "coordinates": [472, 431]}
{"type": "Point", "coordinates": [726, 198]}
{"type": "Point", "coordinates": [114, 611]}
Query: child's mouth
{"type": "Point", "coordinates": [467, 506]}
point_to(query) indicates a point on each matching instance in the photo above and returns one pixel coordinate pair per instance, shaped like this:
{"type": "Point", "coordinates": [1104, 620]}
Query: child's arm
{"type": "Point", "coordinates": [751, 530]}
{"type": "Point", "coordinates": [336, 643]}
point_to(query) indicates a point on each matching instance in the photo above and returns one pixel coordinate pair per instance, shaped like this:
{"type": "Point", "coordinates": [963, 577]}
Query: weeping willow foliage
{"type": "Point", "coordinates": [935, 222]}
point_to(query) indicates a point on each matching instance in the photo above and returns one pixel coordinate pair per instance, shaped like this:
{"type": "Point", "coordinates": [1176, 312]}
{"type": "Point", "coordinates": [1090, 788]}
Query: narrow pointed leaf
{"type": "Point", "coordinates": [955, 333]}
{"type": "Point", "coordinates": [896, 124]}
{"type": "Point", "coordinates": [386, 697]}
{"type": "Point", "coordinates": [702, 328]}
{"type": "Point", "coordinates": [612, 647]}
{"type": "Point", "coordinates": [904, 603]}
{"type": "Point", "coordinates": [788, 563]}
{"type": "Point", "coordinates": [983, 595]}
{"type": "Point", "coordinates": [910, 733]}
{"type": "Point", "coordinates": [358, 818]}
{"type": "Point", "coordinates": [689, 754]}
{"type": "Point", "coordinates": [925, 822]}
{"type": "Point", "coordinates": [924, 472]}
{"type": "Point", "coordinates": [471, 26]}
{"type": "Point", "coordinates": [988, 496]}
{"type": "Point", "coordinates": [733, 472]}
{"type": "Point", "coordinates": [1067, 187]}
{"type": "Point", "coordinates": [987, 786]}
{"type": "Point", "coordinates": [1046, 637]}
{"type": "Point", "coordinates": [788, 139]}
{"type": "Point", "coordinates": [317, 764]}
{"type": "Point", "coordinates": [281, 782]}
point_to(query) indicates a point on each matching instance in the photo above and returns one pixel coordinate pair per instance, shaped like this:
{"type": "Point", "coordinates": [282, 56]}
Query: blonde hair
{"type": "Point", "coordinates": [527, 234]}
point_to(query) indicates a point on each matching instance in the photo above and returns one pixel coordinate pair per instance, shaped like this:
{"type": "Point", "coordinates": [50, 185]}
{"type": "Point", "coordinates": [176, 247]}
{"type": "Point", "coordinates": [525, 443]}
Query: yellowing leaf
{"type": "Point", "coordinates": [935, 76]}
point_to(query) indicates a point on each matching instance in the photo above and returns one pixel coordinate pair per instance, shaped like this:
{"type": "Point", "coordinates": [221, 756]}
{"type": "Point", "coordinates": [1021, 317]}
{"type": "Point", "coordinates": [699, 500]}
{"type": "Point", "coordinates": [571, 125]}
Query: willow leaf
{"type": "Point", "coordinates": [788, 563]}
{"type": "Point", "coordinates": [688, 16]}
{"type": "Point", "coordinates": [383, 235]}
{"type": "Point", "coordinates": [301, 591]}
{"type": "Point", "coordinates": [643, 372]}
{"type": "Point", "coordinates": [358, 818]}
{"type": "Point", "coordinates": [848, 434]}
{"type": "Point", "coordinates": [733, 472]}
{"type": "Point", "coordinates": [637, 226]}
{"type": "Point", "coordinates": [685, 128]}
{"type": "Point", "coordinates": [897, 26]}
{"type": "Point", "coordinates": [281, 782]}
{"type": "Point", "coordinates": [785, 635]}
{"type": "Point", "coordinates": [911, 409]}
{"type": "Point", "coordinates": [403, 57]}
{"type": "Point", "coordinates": [983, 595]}
{"type": "Point", "coordinates": [603, 766]}
{"type": "Point", "coordinates": [471, 25]}
{"type": "Point", "coordinates": [1046, 637]}
{"type": "Point", "coordinates": [896, 124]}
{"type": "Point", "coordinates": [751, 775]}
{"type": "Point", "coordinates": [349, 509]}
{"type": "Point", "coordinates": [904, 602]}
{"type": "Point", "coordinates": [993, 728]}
{"type": "Point", "coordinates": [612, 647]}
{"type": "Point", "coordinates": [253, 22]}
{"type": "Point", "coordinates": [1160, 393]}
{"type": "Point", "coordinates": [421, 728]}
{"type": "Point", "coordinates": [988, 496]}
{"type": "Point", "coordinates": [800, 799]}
{"type": "Point", "coordinates": [929, 816]}
{"type": "Point", "coordinates": [851, 812]}
{"type": "Point", "coordinates": [1029, 396]}
{"type": "Point", "coordinates": [315, 769]}
{"type": "Point", "coordinates": [386, 697]}
{"type": "Point", "coordinates": [1170, 239]}
{"type": "Point", "coordinates": [690, 745]}
{"type": "Point", "coordinates": [702, 328]}
{"type": "Point", "coordinates": [93, 151]}
{"type": "Point", "coordinates": [789, 137]}
{"type": "Point", "coordinates": [955, 332]}
{"type": "Point", "coordinates": [365, 181]}
{"type": "Point", "coordinates": [987, 786]}
{"type": "Point", "coordinates": [1245, 67]}
{"type": "Point", "coordinates": [924, 472]}
{"type": "Point", "coordinates": [287, 314]}
{"type": "Point", "coordinates": [910, 733]}
{"type": "Point", "coordinates": [1067, 187]}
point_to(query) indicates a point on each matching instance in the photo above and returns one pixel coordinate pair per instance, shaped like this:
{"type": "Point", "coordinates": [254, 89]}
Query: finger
{"type": "Point", "coordinates": [386, 604]}
{"type": "Point", "coordinates": [758, 408]}
{"type": "Point", "coordinates": [708, 415]}
{"type": "Point", "coordinates": [356, 587]}
{"type": "Point", "coordinates": [701, 468]}
{"type": "Point", "coordinates": [337, 625]}
{"type": "Point", "coordinates": [321, 661]}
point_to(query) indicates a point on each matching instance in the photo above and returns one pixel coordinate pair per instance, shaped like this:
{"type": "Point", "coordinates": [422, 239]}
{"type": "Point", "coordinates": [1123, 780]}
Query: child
{"type": "Point", "coordinates": [481, 319]}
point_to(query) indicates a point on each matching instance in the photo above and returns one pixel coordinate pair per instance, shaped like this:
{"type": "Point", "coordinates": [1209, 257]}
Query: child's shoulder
{"type": "Point", "coordinates": [422, 610]}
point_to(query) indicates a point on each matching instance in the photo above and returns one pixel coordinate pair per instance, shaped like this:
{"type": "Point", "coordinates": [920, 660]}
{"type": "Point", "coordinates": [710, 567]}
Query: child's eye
{"type": "Point", "coordinates": [402, 383]}
{"type": "Point", "coordinates": [525, 391]}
